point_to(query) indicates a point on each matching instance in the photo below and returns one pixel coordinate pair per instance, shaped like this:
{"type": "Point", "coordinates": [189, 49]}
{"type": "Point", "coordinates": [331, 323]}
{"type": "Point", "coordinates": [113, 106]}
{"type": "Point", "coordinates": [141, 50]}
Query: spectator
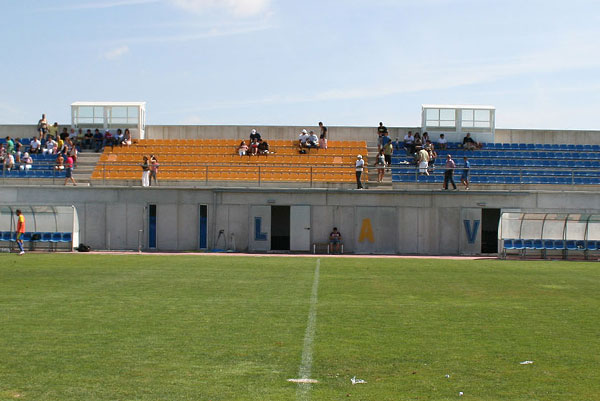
{"type": "Point", "coordinates": [79, 139]}
{"type": "Point", "coordinates": [381, 131]}
{"type": "Point", "coordinates": [51, 147]}
{"type": "Point", "coordinates": [153, 170]}
{"type": "Point", "coordinates": [72, 151]}
{"type": "Point", "coordinates": [360, 163]}
{"type": "Point", "coordinates": [323, 129]}
{"type": "Point", "coordinates": [425, 138]}
{"type": "Point", "coordinates": [145, 172]}
{"type": "Point", "coordinates": [119, 137]}
{"type": "Point", "coordinates": [88, 139]}
{"type": "Point", "coordinates": [323, 141]}
{"type": "Point", "coordinates": [42, 127]}
{"type": "Point", "coordinates": [263, 147]}
{"type": "Point", "coordinates": [423, 160]}
{"type": "Point", "coordinates": [254, 135]}
{"type": "Point", "coordinates": [69, 171]}
{"type": "Point", "coordinates": [380, 164]}
{"type": "Point", "coordinates": [109, 139]}
{"type": "Point", "coordinates": [442, 143]}
{"type": "Point", "coordinates": [127, 137]}
{"type": "Point", "coordinates": [418, 141]}
{"type": "Point", "coordinates": [335, 239]}
{"type": "Point", "coordinates": [53, 131]}
{"type": "Point", "coordinates": [64, 134]}
{"type": "Point", "coordinates": [26, 162]}
{"type": "Point", "coordinates": [62, 147]}
{"type": "Point", "coordinates": [35, 146]}
{"type": "Point", "coordinates": [60, 163]}
{"type": "Point", "coordinates": [254, 147]}
{"type": "Point", "coordinates": [9, 162]}
{"type": "Point", "coordinates": [397, 144]}
{"type": "Point", "coordinates": [388, 150]}
{"type": "Point", "coordinates": [469, 143]}
{"type": "Point", "coordinates": [10, 145]}
{"type": "Point", "coordinates": [409, 143]}
{"type": "Point", "coordinates": [73, 136]}
{"type": "Point", "coordinates": [432, 155]}
{"type": "Point", "coordinates": [242, 149]}
{"type": "Point", "coordinates": [3, 154]}
{"type": "Point", "coordinates": [385, 139]}
{"type": "Point", "coordinates": [302, 138]}
{"type": "Point", "coordinates": [464, 178]}
{"type": "Point", "coordinates": [312, 141]}
{"type": "Point", "coordinates": [98, 140]}
{"type": "Point", "coordinates": [449, 173]}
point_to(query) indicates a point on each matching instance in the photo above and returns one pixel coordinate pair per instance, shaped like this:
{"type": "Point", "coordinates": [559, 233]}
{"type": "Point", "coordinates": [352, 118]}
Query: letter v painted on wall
{"type": "Point", "coordinates": [471, 231]}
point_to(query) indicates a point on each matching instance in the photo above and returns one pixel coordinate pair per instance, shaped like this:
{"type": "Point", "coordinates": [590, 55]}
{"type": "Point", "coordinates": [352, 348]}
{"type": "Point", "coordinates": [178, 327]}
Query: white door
{"type": "Point", "coordinates": [299, 228]}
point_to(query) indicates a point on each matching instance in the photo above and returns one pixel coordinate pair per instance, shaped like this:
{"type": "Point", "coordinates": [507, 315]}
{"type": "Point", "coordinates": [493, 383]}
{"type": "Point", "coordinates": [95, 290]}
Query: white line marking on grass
{"type": "Point", "coordinates": [303, 390]}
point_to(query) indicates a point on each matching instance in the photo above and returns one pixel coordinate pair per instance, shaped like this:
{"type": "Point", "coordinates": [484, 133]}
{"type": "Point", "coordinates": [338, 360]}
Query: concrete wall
{"type": "Point", "coordinates": [371, 221]}
{"type": "Point", "coordinates": [335, 133]}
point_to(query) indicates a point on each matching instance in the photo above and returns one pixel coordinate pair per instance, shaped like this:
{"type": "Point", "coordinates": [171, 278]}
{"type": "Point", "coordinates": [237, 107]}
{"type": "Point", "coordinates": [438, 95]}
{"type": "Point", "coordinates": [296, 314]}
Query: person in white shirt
{"type": "Point", "coordinates": [409, 143]}
{"type": "Point", "coordinates": [51, 146]}
{"type": "Point", "coordinates": [26, 162]}
{"type": "Point", "coordinates": [313, 140]}
{"type": "Point", "coordinates": [302, 138]}
{"type": "Point", "coordinates": [442, 143]}
{"type": "Point", "coordinates": [35, 146]}
{"type": "Point", "coordinates": [360, 163]}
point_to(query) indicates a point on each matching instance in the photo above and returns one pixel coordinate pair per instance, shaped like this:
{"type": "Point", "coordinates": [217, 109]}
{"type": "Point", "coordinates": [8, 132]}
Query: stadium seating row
{"type": "Point", "coordinates": [192, 160]}
{"type": "Point", "coordinates": [51, 237]}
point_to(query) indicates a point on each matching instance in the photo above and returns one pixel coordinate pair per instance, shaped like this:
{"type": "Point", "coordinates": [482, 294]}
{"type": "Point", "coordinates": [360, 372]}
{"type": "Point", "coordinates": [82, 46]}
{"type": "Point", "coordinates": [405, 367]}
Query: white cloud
{"type": "Point", "coordinates": [239, 8]}
{"type": "Point", "coordinates": [116, 52]}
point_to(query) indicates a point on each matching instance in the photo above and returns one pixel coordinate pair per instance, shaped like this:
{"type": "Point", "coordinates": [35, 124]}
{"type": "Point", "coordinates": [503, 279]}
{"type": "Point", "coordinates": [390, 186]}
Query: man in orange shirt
{"type": "Point", "coordinates": [20, 230]}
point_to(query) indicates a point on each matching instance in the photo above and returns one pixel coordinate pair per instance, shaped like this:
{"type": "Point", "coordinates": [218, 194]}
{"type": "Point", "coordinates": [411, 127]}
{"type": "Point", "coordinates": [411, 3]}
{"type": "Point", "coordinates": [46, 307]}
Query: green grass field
{"type": "Point", "coordinates": [107, 327]}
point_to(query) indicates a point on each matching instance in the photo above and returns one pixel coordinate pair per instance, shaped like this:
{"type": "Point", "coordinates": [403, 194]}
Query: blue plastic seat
{"type": "Point", "coordinates": [528, 244]}
{"type": "Point", "coordinates": [66, 237]}
{"type": "Point", "coordinates": [26, 236]}
{"type": "Point", "coordinates": [6, 236]}
{"type": "Point", "coordinates": [559, 244]}
{"type": "Point", "coordinates": [580, 245]}
{"type": "Point", "coordinates": [509, 244]}
{"type": "Point", "coordinates": [518, 244]}
{"type": "Point", "coordinates": [548, 244]}
{"type": "Point", "coordinates": [537, 244]}
{"type": "Point", "coordinates": [46, 237]}
{"type": "Point", "coordinates": [56, 237]}
{"type": "Point", "coordinates": [571, 246]}
{"type": "Point", "coordinates": [592, 245]}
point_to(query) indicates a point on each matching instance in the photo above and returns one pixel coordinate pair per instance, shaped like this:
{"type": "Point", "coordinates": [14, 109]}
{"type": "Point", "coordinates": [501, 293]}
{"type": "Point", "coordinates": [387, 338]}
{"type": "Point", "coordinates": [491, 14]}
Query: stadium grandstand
{"type": "Point", "coordinates": [209, 195]}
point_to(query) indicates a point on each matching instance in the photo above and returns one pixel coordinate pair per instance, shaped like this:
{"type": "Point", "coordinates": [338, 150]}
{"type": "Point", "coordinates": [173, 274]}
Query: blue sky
{"type": "Point", "coordinates": [276, 62]}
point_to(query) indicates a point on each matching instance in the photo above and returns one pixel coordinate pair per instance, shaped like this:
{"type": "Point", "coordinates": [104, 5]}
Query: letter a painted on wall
{"type": "Point", "coordinates": [366, 231]}
{"type": "Point", "coordinates": [258, 235]}
{"type": "Point", "coordinates": [471, 234]}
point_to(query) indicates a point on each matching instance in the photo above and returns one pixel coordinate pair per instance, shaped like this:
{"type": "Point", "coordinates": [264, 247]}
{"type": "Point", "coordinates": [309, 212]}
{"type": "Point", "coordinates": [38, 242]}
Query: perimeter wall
{"type": "Point", "coordinates": [335, 133]}
{"type": "Point", "coordinates": [371, 221]}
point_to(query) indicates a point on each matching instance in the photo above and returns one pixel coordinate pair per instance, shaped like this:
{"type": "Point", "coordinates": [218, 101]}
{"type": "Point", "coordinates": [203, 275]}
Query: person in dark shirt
{"type": "Point", "coordinates": [254, 135]}
{"type": "Point", "coordinates": [87, 139]}
{"type": "Point", "coordinates": [323, 129]}
{"type": "Point", "coordinates": [335, 239]}
{"type": "Point", "coordinates": [263, 147]}
{"type": "Point", "coordinates": [98, 139]}
{"type": "Point", "coordinates": [469, 143]}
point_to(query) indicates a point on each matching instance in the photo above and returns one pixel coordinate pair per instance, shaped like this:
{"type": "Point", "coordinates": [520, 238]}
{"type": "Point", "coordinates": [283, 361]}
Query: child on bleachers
{"type": "Point", "coordinates": [242, 149]}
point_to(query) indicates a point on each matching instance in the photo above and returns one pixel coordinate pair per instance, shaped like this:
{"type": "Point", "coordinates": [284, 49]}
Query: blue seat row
{"type": "Point", "coordinates": [48, 173]}
{"type": "Point", "coordinates": [549, 244]}
{"type": "Point", "coordinates": [52, 237]}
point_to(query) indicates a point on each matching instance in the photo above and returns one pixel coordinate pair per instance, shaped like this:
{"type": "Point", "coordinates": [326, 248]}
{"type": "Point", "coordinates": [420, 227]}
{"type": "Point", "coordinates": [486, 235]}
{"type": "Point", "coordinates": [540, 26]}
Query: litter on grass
{"type": "Point", "coordinates": [303, 380]}
{"type": "Point", "coordinates": [354, 380]}
{"type": "Point", "coordinates": [526, 363]}
{"type": "Point", "coordinates": [447, 376]}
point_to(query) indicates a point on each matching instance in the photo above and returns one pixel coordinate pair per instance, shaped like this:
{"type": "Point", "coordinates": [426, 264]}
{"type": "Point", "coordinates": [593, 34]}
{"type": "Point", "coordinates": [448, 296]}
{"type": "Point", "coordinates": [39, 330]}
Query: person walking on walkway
{"type": "Point", "coordinates": [359, 169]}
{"type": "Point", "coordinates": [449, 173]}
